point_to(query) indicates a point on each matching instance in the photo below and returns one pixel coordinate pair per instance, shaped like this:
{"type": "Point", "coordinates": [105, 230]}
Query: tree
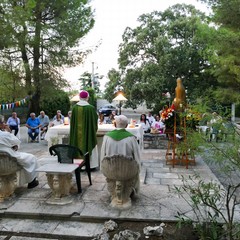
{"type": "Point", "coordinates": [166, 45]}
{"type": "Point", "coordinates": [86, 81]}
{"type": "Point", "coordinates": [226, 43]}
{"type": "Point", "coordinates": [41, 36]}
{"type": "Point", "coordinates": [111, 86]}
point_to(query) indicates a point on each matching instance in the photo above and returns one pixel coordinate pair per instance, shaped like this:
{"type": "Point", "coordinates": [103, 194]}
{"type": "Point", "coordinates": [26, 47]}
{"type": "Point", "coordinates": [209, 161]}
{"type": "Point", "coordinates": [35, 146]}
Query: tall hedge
{"type": "Point", "coordinates": [58, 100]}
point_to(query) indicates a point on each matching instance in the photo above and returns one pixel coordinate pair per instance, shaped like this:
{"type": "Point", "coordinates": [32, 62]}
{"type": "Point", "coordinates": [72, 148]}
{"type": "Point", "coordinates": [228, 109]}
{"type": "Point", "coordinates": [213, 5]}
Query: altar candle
{"type": "Point", "coordinates": [66, 121]}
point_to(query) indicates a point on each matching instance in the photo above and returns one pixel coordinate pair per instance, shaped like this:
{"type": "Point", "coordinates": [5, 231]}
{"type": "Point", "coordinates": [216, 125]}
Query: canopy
{"type": "Point", "coordinates": [120, 97]}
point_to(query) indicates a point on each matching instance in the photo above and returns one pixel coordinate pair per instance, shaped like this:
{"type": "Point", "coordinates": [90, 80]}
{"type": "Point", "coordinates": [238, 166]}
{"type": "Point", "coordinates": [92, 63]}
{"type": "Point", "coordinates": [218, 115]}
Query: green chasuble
{"type": "Point", "coordinates": [119, 134]}
{"type": "Point", "coordinates": [83, 128]}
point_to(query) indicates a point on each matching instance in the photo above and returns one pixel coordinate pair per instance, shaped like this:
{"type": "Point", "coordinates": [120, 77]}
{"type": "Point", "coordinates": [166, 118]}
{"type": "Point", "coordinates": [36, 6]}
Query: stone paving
{"type": "Point", "coordinates": [27, 212]}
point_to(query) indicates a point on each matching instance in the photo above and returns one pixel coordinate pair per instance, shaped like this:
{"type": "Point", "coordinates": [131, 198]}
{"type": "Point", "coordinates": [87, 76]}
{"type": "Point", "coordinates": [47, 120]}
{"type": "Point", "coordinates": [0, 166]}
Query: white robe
{"type": "Point", "coordinates": [26, 160]}
{"type": "Point", "coordinates": [127, 147]}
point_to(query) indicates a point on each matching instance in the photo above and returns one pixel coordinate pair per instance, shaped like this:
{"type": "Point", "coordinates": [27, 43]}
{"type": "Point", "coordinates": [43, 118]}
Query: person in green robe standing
{"type": "Point", "coordinates": [83, 128]}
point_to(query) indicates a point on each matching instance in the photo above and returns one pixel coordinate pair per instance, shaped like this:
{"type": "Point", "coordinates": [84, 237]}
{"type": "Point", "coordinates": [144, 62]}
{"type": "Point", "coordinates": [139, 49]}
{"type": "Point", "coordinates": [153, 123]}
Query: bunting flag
{"type": "Point", "coordinates": [14, 104]}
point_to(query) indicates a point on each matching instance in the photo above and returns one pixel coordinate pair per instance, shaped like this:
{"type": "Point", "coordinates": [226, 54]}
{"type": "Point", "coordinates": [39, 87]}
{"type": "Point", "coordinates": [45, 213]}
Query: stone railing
{"type": "Point", "coordinates": [155, 141]}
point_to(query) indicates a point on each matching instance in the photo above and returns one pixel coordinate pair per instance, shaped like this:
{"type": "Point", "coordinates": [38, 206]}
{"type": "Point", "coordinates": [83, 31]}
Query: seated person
{"type": "Point", "coordinates": [33, 124]}
{"type": "Point", "coordinates": [14, 122]}
{"type": "Point", "coordinates": [58, 114]}
{"type": "Point", "coordinates": [158, 125]}
{"type": "Point", "coordinates": [110, 119]}
{"type": "Point", "coordinates": [120, 141]}
{"type": "Point", "coordinates": [101, 119]}
{"type": "Point", "coordinates": [145, 123]}
{"type": "Point", "coordinates": [44, 120]}
{"type": "Point", "coordinates": [150, 118]}
{"type": "Point", "coordinates": [10, 144]}
{"type": "Point", "coordinates": [57, 121]}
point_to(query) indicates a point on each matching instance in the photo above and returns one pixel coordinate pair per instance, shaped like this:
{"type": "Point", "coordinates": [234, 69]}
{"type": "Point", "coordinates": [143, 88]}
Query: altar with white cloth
{"type": "Point", "coordinates": [56, 134]}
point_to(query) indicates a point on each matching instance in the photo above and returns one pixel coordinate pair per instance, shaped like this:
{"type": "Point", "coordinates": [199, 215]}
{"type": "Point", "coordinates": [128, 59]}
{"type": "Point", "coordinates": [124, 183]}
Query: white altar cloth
{"type": "Point", "coordinates": [55, 134]}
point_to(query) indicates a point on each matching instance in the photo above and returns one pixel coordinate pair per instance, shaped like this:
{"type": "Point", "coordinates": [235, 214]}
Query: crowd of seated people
{"type": "Point", "coordinates": [37, 126]}
{"type": "Point", "coordinates": [151, 124]}
{"type": "Point", "coordinates": [106, 119]}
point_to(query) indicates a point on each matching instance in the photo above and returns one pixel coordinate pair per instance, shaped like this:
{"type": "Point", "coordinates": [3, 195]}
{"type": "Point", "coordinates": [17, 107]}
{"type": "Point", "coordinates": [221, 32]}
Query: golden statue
{"type": "Point", "coordinates": [179, 101]}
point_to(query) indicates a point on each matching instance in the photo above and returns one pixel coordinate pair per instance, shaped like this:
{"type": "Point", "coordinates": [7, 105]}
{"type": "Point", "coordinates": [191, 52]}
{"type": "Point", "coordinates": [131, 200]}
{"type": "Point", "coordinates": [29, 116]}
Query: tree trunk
{"type": "Point", "coordinates": [35, 101]}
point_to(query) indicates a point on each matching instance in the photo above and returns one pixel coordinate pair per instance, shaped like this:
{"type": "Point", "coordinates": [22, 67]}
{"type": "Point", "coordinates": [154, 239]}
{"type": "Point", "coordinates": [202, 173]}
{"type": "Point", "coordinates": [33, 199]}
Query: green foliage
{"type": "Point", "coordinates": [207, 201]}
{"type": "Point", "coordinates": [92, 99]}
{"type": "Point", "coordinates": [114, 81]}
{"type": "Point", "coordinates": [213, 205]}
{"type": "Point", "coordinates": [42, 36]}
{"type": "Point", "coordinates": [164, 46]}
{"type": "Point", "coordinates": [58, 100]}
{"type": "Point", "coordinates": [226, 43]}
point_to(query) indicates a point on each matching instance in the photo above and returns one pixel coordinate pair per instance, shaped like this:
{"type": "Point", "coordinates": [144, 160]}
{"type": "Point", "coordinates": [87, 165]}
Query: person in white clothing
{"type": "Point", "coordinates": [158, 125]}
{"type": "Point", "coordinates": [56, 122]}
{"type": "Point", "coordinates": [120, 141]}
{"type": "Point", "coordinates": [145, 123]}
{"type": "Point", "coordinates": [150, 118]}
{"type": "Point", "coordinates": [10, 144]}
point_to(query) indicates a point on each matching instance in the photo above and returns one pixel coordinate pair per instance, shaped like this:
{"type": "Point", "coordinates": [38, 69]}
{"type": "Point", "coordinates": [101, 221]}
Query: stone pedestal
{"type": "Point", "coordinates": [122, 175]}
{"type": "Point", "coordinates": [59, 176]}
{"type": "Point", "coordinates": [8, 184]}
{"type": "Point", "coordinates": [8, 175]}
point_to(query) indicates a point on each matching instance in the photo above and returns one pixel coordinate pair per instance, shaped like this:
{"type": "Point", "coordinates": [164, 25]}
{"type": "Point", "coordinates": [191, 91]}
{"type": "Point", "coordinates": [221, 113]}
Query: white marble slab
{"type": "Point", "coordinates": [60, 168]}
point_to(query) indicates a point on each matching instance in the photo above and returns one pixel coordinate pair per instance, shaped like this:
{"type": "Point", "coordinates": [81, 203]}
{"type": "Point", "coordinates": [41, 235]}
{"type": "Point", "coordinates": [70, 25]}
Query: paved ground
{"type": "Point", "coordinates": [27, 212]}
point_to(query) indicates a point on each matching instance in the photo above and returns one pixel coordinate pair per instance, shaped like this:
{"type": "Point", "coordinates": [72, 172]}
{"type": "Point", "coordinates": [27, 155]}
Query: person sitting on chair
{"type": "Point", "coordinates": [44, 120]}
{"type": "Point", "coordinates": [120, 141]}
{"type": "Point", "coordinates": [56, 122]}
{"type": "Point", "coordinates": [145, 123]}
{"type": "Point", "coordinates": [10, 144]}
{"type": "Point", "coordinates": [14, 122]}
{"type": "Point", "coordinates": [33, 124]}
{"type": "Point", "coordinates": [58, 114]}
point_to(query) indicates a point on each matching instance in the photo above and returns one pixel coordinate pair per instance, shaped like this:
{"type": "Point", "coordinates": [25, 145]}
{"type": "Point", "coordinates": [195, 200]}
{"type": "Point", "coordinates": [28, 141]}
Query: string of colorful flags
{"type": "Point", "coordinates": [14, 104]}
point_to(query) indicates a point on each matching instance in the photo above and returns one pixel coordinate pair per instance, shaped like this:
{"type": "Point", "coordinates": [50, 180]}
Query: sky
{"type": "Point", "coordinates": [112, 17]}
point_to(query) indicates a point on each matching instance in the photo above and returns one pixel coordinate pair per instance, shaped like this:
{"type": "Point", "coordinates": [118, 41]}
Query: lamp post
{"type": "Point", "coordinates": [120, 98]}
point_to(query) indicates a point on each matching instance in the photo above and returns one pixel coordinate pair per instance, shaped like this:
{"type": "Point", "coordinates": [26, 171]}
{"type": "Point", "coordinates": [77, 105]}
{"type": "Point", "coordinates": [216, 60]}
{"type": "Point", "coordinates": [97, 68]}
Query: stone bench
{"type": "Point", "coordinates": [155, 141]}
{"type": "Point", "coordinates": [59, 177]}
{"type": "Point", "coordinates": [8, 175]}
{"type": "Point", "coordinates": [122, 175]}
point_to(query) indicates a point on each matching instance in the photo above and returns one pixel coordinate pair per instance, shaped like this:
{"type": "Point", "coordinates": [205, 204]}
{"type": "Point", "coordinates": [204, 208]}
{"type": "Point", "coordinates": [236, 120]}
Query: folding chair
{"type": "Point", "coordinates": [37, 138]}
{"type": "Point", "coordinates": [68, 154]}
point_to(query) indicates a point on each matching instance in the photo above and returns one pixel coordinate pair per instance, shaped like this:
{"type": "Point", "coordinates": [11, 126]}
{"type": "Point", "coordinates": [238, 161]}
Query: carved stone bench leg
{"type": "Point", "coordinates": [8, 184]}
{"type": "Point", "coordinates": [60, 185]}
{"type": "Point", "coordinates": [120, 193]}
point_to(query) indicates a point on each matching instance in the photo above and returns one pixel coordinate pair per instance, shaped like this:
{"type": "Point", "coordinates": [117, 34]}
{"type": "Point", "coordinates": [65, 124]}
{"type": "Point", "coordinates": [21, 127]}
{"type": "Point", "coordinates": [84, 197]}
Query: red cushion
{"type": "Point", "coordinates": [79, 162]}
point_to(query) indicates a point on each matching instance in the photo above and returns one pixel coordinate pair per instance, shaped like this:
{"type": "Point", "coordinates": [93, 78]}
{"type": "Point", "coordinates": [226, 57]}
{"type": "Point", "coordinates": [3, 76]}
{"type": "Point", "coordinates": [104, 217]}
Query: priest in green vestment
{"type": "Point", "coordinates": [83, 128]}
{"type": "Point", "coordinates": [120, 141]}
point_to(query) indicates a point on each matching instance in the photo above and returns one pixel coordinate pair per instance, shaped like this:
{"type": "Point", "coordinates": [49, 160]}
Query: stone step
{"type": "Point", "coordinates": [48, 229]}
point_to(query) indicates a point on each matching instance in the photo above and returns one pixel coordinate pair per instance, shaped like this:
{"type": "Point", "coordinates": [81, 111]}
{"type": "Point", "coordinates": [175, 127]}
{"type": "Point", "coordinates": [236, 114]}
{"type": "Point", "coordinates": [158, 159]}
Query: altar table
{"type": "Point", "coordinates": [56, 134]}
